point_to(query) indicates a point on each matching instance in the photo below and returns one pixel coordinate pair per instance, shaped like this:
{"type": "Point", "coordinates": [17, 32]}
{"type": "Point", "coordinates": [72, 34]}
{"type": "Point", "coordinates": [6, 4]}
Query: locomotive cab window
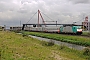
{"type": "Point", "coordinates": [79, 27]}
{"type": "Point", "coordinates": [74, 27]}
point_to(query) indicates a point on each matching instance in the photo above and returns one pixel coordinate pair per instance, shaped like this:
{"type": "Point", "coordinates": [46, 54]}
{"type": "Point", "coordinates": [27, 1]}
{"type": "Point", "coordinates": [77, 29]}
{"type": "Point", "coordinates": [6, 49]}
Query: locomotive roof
{"type": "Point", "coordinates": [55, 24]}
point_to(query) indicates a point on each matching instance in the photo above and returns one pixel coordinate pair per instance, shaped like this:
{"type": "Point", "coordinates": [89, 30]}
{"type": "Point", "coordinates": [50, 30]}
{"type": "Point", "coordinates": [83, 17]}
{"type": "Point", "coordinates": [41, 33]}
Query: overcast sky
{"type": "Point", "coordinates": [63, 11]}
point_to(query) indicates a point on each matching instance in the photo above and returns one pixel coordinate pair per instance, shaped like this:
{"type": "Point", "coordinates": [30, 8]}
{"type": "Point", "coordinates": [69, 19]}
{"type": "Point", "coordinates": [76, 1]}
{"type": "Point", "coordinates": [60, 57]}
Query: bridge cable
{"type": "Point", "coordinates": [47, 16]}
{"type": "Point", "coordinates": [32, 17]}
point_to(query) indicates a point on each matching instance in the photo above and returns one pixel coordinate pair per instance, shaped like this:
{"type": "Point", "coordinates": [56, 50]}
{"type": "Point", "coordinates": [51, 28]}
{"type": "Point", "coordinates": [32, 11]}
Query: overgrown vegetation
{"type": "Point", "coordinates": [87, 51]}
{"type": "Point", "coordinates": [61, 47]}
{"type": "Point", "coordinates": [86, 33]}
{"type": "Point", "coordinates": [79, 40]}
{"type": "Point", "coordinates": [50, 43]}
{"type": "Point", "coordinates": [16, 47]}
{"type": "Point", "coordinates": [0, 53]}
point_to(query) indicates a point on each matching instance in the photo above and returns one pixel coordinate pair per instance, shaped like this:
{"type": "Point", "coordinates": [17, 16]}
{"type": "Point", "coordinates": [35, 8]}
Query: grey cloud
{"type": "Point", "coordinates": [8, 6]}
{"type": "Point", "coordinates": [28, 1]}
{"type": "Point", "coordinates": [80, 1]}
{"type": "Point", "coordinates": [6, 1]}
{"type": "Point", "coordinates": [23, 1]}
{"type": "Point", "coordinates": [22, 11]}
{"type": "Point", "coordinates": [12, 12]}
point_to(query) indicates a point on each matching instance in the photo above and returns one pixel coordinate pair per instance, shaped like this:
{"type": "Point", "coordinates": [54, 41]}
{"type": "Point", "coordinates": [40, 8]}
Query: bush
{"type": "Point", "coordinates": [16, 31]}
{"type": "Point", "coordinates": [88, 58]}
{"type": "Point", "coordinates": [50, 43]}
{"type": "Point", "coordinates": [86, 51]}
{"type": "Point", "coordinates": [44, 43]}
{"type": "Point", "coordinates": [24, 35]}
{"type": "Point", "coordinates": [61, 47]}
{"type": "Point", "coordinates": [0, 53]}
{"type": "Point", "coordinates": [89, 34]}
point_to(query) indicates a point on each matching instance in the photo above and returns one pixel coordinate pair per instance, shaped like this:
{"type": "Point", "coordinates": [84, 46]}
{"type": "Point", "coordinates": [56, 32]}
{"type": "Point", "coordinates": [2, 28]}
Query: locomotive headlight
{"type": "Point", "coordinates": [79, 30]}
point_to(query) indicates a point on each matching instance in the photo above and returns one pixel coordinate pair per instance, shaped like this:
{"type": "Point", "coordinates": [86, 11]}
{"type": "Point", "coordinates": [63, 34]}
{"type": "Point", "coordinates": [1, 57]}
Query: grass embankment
{"type": "Point", "coordinates": [16, 47]}
{"type": "Point", "coordinates": [86, 33]}
{"type": "Point", "coordinates": [79, 40]}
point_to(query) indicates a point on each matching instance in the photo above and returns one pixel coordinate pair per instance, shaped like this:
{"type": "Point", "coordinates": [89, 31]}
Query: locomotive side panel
{"type": "Point", "coordinates": [67, 29]}
{"type": "Point", "coordinates": [51, 29]}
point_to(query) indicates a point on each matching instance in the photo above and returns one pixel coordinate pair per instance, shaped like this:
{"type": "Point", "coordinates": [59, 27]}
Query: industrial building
{"type": "Point", "coordinates": [86, 24]}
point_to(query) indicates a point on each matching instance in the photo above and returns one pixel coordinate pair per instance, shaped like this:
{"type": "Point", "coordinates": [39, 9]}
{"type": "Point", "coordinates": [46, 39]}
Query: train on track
{"type": "Point", "coordinates": [66, 29]}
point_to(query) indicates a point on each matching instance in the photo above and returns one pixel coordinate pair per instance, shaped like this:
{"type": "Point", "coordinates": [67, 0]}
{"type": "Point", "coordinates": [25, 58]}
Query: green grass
{"type": "Point", "coordinates": [86, 33]}
{"type": "Point", "coordinates": [16, 47]}
{"type": "Point", "coordinates": [79, 40]}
